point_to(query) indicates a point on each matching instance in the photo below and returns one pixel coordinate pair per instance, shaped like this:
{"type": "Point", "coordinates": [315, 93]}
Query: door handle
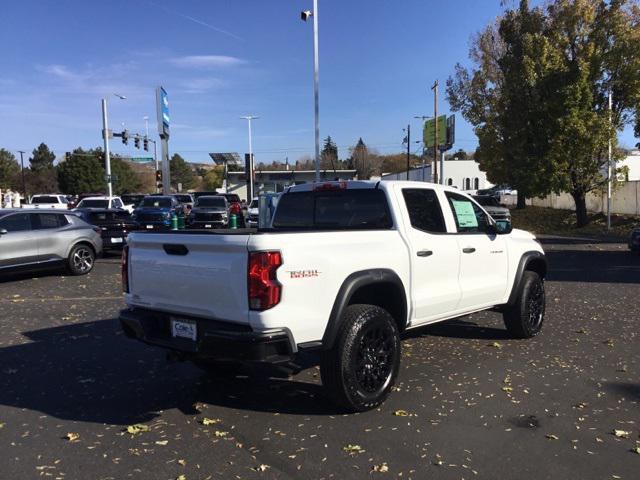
{"type": "Point", "coordinates": [424, 253]}
{"type": "Point", "coordinates": [468, 250]}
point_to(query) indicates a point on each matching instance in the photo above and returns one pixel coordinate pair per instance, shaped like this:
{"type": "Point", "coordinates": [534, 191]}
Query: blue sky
{"type": "Point", "coordinates": [221, 59]}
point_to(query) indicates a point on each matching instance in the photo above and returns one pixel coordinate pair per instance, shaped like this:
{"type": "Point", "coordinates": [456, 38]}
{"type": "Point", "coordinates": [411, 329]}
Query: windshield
{"type": "Point", "coordinates": [135, 199]}
{"type": "Point", "coordinates": [88, 203]}
{"type": "Point", "coordinates": [487, 201]}
{"type": "Point", "coordinates": [184, 198]}
{"type": "Point", "coordinates": [218, 202]}
{"type": "Point", "coordinates": [45, 199]}
{"type": "Point", "coordinates": [156, 202]}
{"type": "Point", "coordinates": [253, 204]}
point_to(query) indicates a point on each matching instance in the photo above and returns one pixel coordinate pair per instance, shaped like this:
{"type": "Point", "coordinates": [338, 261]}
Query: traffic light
{"type": "Point", "coordinates": [159, 178]}
{"type": "Point", "coordinates": [136, 141]}
{"type": "Point", "coordinates": [145, 143]}
{"type": "Point", "coordinates": [125, 137]}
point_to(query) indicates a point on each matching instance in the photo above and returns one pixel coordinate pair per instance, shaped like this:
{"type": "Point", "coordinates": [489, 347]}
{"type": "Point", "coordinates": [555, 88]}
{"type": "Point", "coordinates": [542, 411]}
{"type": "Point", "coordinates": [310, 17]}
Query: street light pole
{"type": "Point", "coordinates": [435, 131]}
{"type": "Point", "coordinates": [24, 185]}
{"type": "Point", "coordinates": [609, 169]}
{"type": "Point", "coordinates": [248, 118]}
{"type": "Point", "coordinates": [107, 157]}
{"type": "Point", "coordinates": [316, 82]}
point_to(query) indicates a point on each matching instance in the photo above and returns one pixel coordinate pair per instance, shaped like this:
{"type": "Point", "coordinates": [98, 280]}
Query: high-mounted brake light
{"type": "Point", "coordinates": [125, 269]}
{"type": "Point", "coordinates": [330, 186]}
{"type": "Point", "coordinates": [263, 287]}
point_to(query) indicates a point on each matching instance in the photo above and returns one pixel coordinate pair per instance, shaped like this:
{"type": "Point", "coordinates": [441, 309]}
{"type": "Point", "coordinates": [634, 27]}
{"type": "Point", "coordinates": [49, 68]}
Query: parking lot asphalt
{"type": "Point", "coordinates": [469, 403]}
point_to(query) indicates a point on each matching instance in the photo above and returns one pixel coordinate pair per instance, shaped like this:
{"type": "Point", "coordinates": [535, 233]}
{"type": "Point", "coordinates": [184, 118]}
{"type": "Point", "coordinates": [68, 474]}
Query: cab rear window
{"type": "Point", "coordinates": [361, 209]}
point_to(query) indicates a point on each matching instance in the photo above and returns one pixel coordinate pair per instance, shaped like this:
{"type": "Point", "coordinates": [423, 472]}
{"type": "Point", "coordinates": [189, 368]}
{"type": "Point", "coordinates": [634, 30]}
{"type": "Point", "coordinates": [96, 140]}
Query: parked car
{"type": "Point", "coordinates": [634, 240]}
{"type": "Point", "coordinates": [235, 207]}
{"type": "Point", "coordinates": [186, 200]}
{"type": "Point", "coordinates": [91, 203]}
{"type": "Point", "coordinates": [344, 269]}
{"type": "Point", "coordinates": [493, 207]}
{"type": "Point", "coordinates": [47, 238]}
{"type": "Point", "coordinates": [48, 201]}
{"type": "Point", "coordinates": [209, 212]}
{"type": "Point", "coordinates": [114, 225]}
{"type": "Point", "coordinates": [155, 212]}
{"type": "Point", "coordinates": [253, 214]}
{"type": "Point", "coordinates": [132, 200]}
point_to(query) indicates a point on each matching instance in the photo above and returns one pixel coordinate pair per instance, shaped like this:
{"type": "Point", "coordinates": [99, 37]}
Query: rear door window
{"type": "Point", "coordinates": [45, 221]}
{"type": "Point", "coordinates": [424, 210]}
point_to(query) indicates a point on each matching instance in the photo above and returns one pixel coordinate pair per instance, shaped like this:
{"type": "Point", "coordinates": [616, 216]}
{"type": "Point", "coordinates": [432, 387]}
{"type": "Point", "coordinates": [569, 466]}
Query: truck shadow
{"type": "Point", "coordinates": [459, 328]}
{"type": "Point", "coordinates": [91, 372]}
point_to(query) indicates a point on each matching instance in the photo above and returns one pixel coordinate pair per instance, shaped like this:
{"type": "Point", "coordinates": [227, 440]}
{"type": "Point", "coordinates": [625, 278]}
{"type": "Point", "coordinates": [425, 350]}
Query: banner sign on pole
{"type": "Point", "coordinates": [428, 136]}
{"type": "Point", "coordinates": [162, 106]}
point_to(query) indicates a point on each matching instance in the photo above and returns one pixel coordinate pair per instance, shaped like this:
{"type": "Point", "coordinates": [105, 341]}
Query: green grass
{"type": "Point", "coordinates": [563, 222]}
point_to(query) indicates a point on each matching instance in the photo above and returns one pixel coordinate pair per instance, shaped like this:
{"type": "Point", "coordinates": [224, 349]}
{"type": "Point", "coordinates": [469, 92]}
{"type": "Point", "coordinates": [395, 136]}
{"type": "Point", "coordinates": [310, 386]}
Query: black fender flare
{"type": "Point", "coordinates": [349, 287]}
{"type": "Point", "coordinates": [528, 258]}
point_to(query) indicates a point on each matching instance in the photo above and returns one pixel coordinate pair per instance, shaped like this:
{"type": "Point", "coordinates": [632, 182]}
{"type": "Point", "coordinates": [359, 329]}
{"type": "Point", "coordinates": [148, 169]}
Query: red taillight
{"type": "Point", "coordinates": [125, 269]}
{"type": "Point", "coordinates": [264, 289]}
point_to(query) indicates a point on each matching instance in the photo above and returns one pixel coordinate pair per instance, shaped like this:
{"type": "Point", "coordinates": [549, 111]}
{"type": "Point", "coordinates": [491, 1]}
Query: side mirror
{"type": "Point", "coordinates": [503, 227]}
{"type": "Point", "coordinates": [3, 231]}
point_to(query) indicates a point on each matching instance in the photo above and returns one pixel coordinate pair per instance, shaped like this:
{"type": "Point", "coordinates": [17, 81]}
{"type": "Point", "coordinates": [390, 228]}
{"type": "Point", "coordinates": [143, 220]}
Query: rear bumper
{"type": "Point", "coordinates": [216, 340]}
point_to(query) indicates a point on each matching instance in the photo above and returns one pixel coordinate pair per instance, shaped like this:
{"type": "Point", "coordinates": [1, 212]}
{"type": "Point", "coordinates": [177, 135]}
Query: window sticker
{"type": "Point", "coordinates": [465, 214]}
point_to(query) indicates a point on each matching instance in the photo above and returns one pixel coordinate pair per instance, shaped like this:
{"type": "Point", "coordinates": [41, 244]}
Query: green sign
{"type": "Point", "coordinates": [429, 132]}
{"type": "Point", "coordinates": [141, 159]}
{"type": "Point", "coordinates": [464, 213]}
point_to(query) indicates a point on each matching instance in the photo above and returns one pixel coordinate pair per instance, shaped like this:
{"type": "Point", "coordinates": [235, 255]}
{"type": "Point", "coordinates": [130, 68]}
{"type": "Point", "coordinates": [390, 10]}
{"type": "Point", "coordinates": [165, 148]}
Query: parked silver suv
{"type": "Point", "coordinates": [47, 238]}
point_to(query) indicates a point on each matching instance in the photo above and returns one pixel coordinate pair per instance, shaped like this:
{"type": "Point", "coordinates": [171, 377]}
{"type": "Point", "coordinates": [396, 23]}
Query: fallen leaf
{"type": "Point", "coordinates": [219, 433]}
{"type": "Point", "coordinates": [137, 428]}
{"type": "Point", "coordinates": [210, 421]}
{"type": "Point", "coordinates": [261, 468]}
{"type": "Point", "coordinates": [507, 389]}
{"type": "Point", "coordinates": [182, 462]}
{"type": "Point", "coordinates": [72, 437]}
{"type": "Point", "coordinates": [182, 476]}
{"type": "Point", "coordinates": [551, 436]}
{"type": "Point", "coordinates": [353, 449]}
{"type": "Point", "coordinates": [382, 468]}
{"type": "Point", "coordinates": [636, 450]}
{"type": "Point", "coordinates": [496, 345]}
{"type": "Point", "coordinates": [162, 442]}
{"type": "Point", "coordinates": [2, 425]}
{"type": "Point", "coordinates": [621, 433]}
{"type": "Point", "coordinates": [401, 413]}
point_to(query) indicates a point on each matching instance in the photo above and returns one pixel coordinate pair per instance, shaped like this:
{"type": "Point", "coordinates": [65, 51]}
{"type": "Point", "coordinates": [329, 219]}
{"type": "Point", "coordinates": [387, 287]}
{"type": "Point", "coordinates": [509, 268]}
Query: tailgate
{"type": "Point", "coordinates": [190, 274]}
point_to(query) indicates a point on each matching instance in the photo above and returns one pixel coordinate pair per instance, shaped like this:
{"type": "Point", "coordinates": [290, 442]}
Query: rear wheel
{"type": "Point", "coordinates": [81, 259]}
{"type": "Point", "coordinates": [524, 319]}
{"type": "Point", "coordinates": [360, 369]}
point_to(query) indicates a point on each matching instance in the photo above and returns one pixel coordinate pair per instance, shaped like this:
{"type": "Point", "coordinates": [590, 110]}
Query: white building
{"type": "Point", "coordinates": [461, 174]}
{"type": "Point", "coordinates": [632, 162]}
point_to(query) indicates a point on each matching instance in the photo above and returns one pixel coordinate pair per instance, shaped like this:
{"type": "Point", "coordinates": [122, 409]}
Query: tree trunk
{"type": "Point", "coordinates": [522, 200]}
{"type": "Point", "coordinates": [581, 209]}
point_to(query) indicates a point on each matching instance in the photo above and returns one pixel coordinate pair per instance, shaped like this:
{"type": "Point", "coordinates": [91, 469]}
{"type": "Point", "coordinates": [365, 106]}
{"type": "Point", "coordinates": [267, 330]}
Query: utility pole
{"type": "Point", "coordinates": [24, 185]}
{"type": "Point", "coordinates": [316, 81]}
{"type": "Point", "coordinates": [248, 118]}
{"type": "Point", "coordinates": [609, 168]}
{"type": "Point", "coordinates": [408, 149]}
{"type": "Point", "coordinates": [107, 157]}
{"type": "Point", "coordinates": [435, 130]}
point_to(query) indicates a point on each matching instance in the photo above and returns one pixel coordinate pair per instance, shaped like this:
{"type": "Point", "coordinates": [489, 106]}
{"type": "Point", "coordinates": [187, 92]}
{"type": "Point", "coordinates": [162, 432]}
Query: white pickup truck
{"type": "Point", "coordinates": [345, 268]}
{"type": "Point", "coordinates": [48, 201]}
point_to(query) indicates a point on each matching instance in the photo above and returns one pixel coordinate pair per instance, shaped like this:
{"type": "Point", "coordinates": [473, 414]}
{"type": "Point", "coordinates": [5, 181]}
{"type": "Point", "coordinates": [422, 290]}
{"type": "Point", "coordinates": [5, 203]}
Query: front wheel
{"type": "Point", "coordinates": [81, 259]}
{"type": "Point", "coordinates": [360, 369]}
{"type": "Point", "coordinates": [524, 319]}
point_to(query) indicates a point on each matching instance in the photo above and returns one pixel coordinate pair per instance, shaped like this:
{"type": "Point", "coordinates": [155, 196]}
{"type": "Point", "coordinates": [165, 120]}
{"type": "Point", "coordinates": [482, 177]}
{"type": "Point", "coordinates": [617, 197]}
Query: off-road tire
{"type": "Point", "coordinates": [360, 369]}
{"type": "Point", "coordinates": [525, 318]}
{"type": "Point", "coordinates": [81, 259]}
